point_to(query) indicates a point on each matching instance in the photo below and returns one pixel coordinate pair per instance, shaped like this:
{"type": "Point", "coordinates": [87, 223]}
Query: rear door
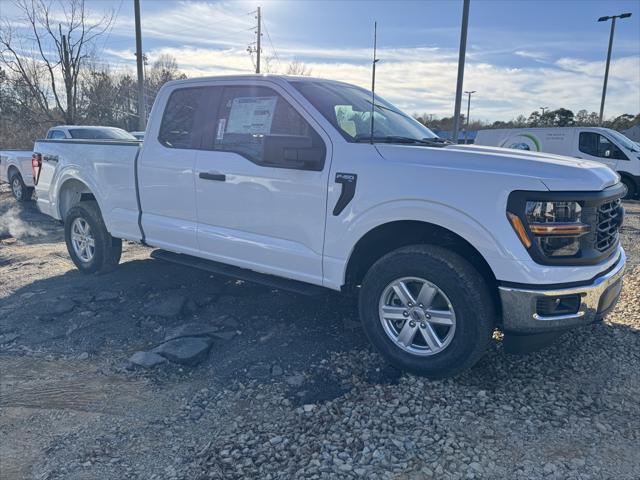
{"type": "Point", "coordinates": [261, 182]}
{"type": "Point", "coordinates": [166, 172]}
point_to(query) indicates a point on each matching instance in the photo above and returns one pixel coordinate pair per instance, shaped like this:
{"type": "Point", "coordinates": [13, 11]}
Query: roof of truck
{"type": "Point", "coordinates": [92, 127]}
{"type": "Point", "coordinates": [257, 76]}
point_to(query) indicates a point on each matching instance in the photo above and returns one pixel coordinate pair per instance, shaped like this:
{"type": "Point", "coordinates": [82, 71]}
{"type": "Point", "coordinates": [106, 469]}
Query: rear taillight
{"type": "Point", "coordinates": [36, 164]}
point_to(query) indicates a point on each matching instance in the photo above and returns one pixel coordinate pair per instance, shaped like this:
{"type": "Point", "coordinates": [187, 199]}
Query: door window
{"type": "Point", "coordinates": [259, 124]}
{"type": "Point", "coordinates": [177, 129]}
{"type": "Point", "coordinates": [598, 145]}
{"type": "Point", "coordinates": [56, 134]}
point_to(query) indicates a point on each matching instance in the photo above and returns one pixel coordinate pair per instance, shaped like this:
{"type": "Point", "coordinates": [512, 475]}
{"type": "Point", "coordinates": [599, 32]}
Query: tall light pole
{"type": "Point", "coordinates": [542, 122]}
{"type": "Point", "coordinates": [142, 121]}
{"type": "Point", "coordinates": [468, 110]}
{"type": "Point", "coordinates": [461, 57]}
{"type": "Point", "coordinates": [606, 69]}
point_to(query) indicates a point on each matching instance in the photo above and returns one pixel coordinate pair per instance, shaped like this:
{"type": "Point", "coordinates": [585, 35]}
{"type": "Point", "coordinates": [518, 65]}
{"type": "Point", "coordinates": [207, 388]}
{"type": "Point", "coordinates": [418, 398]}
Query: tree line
{"type": "Point", "coordinates": [562, 117]}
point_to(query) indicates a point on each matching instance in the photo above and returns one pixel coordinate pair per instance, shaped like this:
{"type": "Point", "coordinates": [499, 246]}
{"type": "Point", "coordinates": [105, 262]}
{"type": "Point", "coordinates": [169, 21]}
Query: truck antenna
{"type": "Point", "coordinates": [373, 77]}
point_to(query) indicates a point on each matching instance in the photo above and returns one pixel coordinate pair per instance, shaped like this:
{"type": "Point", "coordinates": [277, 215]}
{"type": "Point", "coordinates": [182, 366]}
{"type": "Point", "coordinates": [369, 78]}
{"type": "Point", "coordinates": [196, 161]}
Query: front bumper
{"type": "Point", "coordinates": [521, 307]}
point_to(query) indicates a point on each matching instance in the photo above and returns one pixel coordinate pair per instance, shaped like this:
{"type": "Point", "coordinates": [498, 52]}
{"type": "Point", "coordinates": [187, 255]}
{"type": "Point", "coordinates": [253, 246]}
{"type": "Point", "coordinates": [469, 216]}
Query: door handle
{"type": "Point", "coordinates": [219, 177]}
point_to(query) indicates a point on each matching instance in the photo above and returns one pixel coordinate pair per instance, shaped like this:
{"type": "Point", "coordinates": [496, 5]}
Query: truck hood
{"type": "Point", "coordinates": [557, 172]}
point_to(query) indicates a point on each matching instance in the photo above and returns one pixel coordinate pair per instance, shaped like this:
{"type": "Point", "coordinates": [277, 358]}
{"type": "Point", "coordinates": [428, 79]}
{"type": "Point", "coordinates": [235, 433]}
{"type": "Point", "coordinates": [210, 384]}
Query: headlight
{"type": "Point", "coordinates": [556, 227]}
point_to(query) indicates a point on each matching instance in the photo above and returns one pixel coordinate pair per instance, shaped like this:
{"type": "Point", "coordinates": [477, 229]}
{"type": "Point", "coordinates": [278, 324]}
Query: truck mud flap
{"type": "Point", "coordinates": [239, 273]}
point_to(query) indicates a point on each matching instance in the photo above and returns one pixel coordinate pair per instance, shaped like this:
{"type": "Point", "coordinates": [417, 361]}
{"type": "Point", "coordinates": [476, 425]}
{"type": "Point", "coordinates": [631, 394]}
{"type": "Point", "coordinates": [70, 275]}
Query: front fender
{"type": "Point", "coordinates": [493, 241]}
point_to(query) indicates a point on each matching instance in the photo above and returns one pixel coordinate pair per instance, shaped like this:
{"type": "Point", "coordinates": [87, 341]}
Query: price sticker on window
{"type": "Point", "coordinates": [222, 123]}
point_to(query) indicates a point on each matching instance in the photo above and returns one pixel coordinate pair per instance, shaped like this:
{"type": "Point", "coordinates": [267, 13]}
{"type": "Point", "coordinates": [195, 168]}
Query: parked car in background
{"type": "Point", "coordinates": [86, 132]}
{"type": "Point", "coordinates": [15, 169]}
{"type": "Point", "coordinates": [592, 143]}
{"type": "Point", "coordinates": [138, 135]}
{"type": "Point", "coordinates": [287, 181]}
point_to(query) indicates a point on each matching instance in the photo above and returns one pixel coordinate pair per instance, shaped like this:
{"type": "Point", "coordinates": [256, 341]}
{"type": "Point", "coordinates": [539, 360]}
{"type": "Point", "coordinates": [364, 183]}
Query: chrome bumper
{"type": "Point", "coordinates": [520, 306]}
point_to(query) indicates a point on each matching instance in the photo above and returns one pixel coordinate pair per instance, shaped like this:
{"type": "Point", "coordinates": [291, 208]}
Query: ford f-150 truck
{"type": "Point", "coordinates": [304, 183]}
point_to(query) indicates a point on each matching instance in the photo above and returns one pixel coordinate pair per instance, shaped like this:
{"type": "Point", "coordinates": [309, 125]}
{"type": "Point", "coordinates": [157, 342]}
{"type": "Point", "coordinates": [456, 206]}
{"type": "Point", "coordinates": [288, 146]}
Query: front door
{"type": "Point", "coordinates": [595, 146]}
{"type": "Point", "coordinates": [261, 183]}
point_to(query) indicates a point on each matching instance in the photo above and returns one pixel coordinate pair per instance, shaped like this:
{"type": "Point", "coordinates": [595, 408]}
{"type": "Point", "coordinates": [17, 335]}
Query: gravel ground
{"type": "Point", "coordinates": [287, 386]}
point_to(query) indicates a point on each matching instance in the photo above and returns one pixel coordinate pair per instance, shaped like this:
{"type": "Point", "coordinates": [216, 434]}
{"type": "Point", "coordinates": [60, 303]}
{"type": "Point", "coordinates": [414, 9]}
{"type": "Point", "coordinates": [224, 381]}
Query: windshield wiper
{"type": "Point", "coordinates": [432, 142]}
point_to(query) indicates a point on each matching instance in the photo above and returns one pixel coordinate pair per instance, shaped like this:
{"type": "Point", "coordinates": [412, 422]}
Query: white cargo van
{"type": "Point", "coordinates": [593, 143]}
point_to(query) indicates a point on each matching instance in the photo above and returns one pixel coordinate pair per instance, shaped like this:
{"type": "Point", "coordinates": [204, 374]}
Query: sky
{"type": "Point", "coordinates": [521, 54]}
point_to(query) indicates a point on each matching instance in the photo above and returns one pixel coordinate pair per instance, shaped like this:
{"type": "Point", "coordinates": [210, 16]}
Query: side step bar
{"type": "Point", "coordinates": [239, 273]}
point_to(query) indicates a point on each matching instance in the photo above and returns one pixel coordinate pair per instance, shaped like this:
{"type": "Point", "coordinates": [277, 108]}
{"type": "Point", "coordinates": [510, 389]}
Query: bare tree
{"type": "Point", "coordinates": [298, 68]}
{"type": "Point", "coordinates": [49, 53]}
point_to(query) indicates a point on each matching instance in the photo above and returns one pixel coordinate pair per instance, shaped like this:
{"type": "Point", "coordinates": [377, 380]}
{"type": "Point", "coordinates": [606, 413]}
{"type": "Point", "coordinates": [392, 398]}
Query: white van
{"type": "Point", "coordinates": [593, 143]}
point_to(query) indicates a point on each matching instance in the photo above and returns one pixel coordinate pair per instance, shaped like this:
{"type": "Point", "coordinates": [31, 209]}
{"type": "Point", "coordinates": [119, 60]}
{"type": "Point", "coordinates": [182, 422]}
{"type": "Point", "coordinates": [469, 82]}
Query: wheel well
{"type": "Point", "coordinates": [625, 175]}
{"type": "Point", "coordinates": [391, 236]}
{"type": "Point", "coordinates": [72, 192]}
{"type": "Point", "coordinates": [11, 169]}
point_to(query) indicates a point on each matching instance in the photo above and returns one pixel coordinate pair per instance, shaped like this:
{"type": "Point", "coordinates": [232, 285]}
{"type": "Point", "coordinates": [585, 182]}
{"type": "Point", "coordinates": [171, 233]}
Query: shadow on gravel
{"type": "Point", "coordinates": [133, 307]}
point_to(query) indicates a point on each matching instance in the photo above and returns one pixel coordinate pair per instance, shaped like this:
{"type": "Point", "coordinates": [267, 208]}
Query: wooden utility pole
{"type": "Point", "coordinates": [142, 121]}
{"type": "Point", "coordinates": [258, 40]}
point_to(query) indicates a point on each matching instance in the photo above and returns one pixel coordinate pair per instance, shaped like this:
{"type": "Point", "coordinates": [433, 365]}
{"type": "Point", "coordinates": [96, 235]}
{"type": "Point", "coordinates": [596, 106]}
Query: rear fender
{"type": "Point", "coordinates": [71, 177]}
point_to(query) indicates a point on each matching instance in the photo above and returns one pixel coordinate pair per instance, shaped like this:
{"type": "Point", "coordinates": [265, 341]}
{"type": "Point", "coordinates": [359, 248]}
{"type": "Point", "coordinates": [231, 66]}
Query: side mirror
{"type": "Point", "coordinates": [291, 151]}
{"type": "Point", "coordinates": [607, 153]}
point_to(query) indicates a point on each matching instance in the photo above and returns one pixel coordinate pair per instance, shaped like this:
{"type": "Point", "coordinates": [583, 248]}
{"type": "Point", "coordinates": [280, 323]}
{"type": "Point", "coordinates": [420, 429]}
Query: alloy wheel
{"type": "Point", "coordinates": [417, 316]}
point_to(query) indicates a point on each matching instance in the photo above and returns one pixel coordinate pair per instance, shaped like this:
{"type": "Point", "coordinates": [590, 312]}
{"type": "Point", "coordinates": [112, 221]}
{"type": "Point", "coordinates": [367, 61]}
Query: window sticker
{"type": "Point", "coordinates": [221, 124]}
{"type": "Point", "coordinates": [251, 115]}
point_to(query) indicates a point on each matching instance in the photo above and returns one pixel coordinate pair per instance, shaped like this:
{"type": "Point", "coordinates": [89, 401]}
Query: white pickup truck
{"type": "Point", "coordinates": [290, 181]}
{"type": "Point", "coordinates": [15, 169]}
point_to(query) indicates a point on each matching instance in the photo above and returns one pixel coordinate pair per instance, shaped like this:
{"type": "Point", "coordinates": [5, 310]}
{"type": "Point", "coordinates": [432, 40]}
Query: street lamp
{"type": "Point", "coordinates": [468, 109]}
{"type": "Point", "coordinates": [542, 115]}
{"type": "Point", "coordinates": [606, 70]}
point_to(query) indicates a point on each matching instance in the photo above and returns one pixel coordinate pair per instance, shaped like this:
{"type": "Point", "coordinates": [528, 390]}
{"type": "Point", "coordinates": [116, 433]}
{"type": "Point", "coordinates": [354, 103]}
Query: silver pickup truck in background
{"type": "Point", "coordinates": [15, 169]}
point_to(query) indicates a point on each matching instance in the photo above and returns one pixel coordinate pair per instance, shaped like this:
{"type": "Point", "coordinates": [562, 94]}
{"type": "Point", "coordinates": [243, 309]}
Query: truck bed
{"type": "Point", "coordinates": [106, 167]}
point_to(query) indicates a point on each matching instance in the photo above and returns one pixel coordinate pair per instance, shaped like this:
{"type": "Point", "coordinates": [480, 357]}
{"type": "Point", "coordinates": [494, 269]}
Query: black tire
{"type": "Point", "coordinates": [464, 288]}
{"type": "Point", "coordinates": [632, 191]}
{"type": "Point", "coordinates": [19, 190]}
{"type": "Point", "coordinates": [107, 249]}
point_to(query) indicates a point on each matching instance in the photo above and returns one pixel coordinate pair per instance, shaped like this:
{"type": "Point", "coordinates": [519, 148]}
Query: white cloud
{"type": "Point", "coordinates": [537, 56]}
{"type": "Point", "coordinates": [424, 81]}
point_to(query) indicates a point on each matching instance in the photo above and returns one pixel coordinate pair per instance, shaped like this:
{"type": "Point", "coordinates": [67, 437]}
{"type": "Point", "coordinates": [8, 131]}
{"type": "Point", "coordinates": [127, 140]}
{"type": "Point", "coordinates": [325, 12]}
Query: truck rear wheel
{"type": "Point", "coordinates": [20, 191]}
{"type": "Point", "coordinates": [90, 246]}
{"type": "Point", "coordinates": [427, 310]}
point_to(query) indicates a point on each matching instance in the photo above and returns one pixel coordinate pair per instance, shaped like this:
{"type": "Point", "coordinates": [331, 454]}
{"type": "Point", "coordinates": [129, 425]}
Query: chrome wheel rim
{"type": "Point", "coordinates": [84, 245]}
{"type": "Point", "coordinates": [417, 316]}
{"type": "Point", "coordinates": [16, 187]}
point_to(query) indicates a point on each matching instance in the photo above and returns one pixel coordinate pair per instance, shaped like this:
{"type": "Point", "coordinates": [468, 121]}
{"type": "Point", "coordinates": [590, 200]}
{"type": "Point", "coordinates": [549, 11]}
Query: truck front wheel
{"type": "Point", "coordinates": [90, 246]}
{"type": "Point", "coordinates": [427, 310]}
{"type": "Point", "coordinates": [631, 188]}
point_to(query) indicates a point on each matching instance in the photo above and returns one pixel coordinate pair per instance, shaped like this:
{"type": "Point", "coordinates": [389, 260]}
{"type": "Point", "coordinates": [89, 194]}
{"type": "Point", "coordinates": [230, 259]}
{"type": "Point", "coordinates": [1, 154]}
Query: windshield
{"type": "Point", "coordinates": [626, 142]}
{"type": "Point", "coordinates": [348, 109]}
{"type": "Point", "coordinates": [100, 134]}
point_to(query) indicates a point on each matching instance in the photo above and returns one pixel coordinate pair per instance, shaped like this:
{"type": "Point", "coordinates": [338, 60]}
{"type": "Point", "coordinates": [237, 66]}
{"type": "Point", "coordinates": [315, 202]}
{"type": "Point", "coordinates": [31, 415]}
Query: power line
{"type": "Point", "coordinates": [275, 53]}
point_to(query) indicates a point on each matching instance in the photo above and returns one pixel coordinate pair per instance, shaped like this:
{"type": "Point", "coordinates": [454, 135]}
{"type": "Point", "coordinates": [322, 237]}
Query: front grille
{"type": "Point", "coordinates": [609, 216]}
